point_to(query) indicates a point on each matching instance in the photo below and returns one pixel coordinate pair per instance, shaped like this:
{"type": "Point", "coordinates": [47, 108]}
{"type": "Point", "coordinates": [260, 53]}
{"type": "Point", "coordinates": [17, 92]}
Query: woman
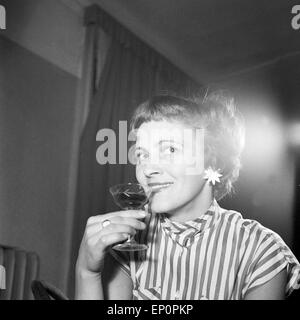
{"type": "Point", "coordinates": [196, 249]}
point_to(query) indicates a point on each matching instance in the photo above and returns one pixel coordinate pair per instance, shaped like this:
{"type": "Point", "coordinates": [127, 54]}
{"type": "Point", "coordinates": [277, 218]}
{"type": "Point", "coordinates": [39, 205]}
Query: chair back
{"type": "Point", "coordinates": [21, 268]}
{"type": "Point", "coordinates": [43, 290]}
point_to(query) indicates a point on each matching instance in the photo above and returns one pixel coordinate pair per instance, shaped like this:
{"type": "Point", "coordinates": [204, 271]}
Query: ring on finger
{"type": "Point", "coordinates": [105, 223]}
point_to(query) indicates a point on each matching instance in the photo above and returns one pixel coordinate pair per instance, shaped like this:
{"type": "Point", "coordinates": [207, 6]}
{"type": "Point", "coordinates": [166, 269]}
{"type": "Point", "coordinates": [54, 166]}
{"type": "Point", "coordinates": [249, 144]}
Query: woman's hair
{"type": "Point", "coordinates": [223, 135]}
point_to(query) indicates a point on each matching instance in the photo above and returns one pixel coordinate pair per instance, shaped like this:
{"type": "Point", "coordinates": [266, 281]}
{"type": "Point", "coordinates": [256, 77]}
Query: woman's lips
{"type": "Point", "coordinates": [155, 187]}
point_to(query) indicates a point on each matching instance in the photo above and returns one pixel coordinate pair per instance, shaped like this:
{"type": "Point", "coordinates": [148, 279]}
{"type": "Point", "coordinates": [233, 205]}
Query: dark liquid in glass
{"type": "Point", "coordinates": [130, 200]}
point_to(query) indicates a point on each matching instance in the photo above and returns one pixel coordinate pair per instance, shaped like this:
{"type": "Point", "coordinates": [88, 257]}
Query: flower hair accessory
{"type": "Point", "coordinates": [212, 176]}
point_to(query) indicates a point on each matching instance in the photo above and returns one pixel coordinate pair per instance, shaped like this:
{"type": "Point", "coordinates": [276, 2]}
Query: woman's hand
{"type": "Point", "coordinates": [97, 238]}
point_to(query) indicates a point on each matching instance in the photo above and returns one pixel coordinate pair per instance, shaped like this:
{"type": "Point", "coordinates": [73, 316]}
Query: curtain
{"type": "Point", "coordinates": [132, 72]}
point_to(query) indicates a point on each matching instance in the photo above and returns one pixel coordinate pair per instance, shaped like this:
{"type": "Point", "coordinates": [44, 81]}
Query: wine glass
{"type": "Point", "coordinates": [130, 196]}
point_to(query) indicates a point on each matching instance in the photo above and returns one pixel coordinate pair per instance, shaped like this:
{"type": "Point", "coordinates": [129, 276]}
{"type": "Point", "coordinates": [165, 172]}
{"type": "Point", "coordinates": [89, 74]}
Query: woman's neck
{"type": "Point", "coordinates": [195, 208]}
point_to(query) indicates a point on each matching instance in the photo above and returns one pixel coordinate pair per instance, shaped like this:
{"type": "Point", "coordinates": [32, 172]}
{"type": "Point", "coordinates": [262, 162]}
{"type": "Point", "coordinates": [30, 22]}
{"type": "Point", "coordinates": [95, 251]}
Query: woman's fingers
{"type": "Point", "coordinates": [138, 214]}
{"type": "Point", "coordinates": [121, 232]}
{"type": "Point", "coordinates": [113, 238]}
{"type": "Point", "coordinates": [122, 224]}
{"type": "Point", "coordinates": [134, 223]}
{"type": "Point", "coordinates": [110, 229]}
{"type": "Point", "coordinates": [98, 237]}
{"type": "Point", "coordinates": [117, 228]}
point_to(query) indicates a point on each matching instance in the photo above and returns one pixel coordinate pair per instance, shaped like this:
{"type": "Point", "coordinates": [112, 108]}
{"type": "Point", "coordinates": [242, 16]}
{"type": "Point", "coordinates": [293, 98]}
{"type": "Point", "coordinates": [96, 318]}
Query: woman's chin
{"type": "Point", "coordinates": [161, 207]}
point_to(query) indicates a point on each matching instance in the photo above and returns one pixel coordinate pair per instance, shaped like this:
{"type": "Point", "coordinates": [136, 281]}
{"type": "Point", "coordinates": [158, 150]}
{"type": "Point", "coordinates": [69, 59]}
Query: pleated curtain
{"type": "Point", "coordinates": [132, 72]}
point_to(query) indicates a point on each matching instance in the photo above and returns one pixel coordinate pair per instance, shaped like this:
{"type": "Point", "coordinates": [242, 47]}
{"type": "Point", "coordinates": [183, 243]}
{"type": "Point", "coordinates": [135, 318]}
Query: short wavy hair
{"type": "Point", "coordinates": [223, 124]}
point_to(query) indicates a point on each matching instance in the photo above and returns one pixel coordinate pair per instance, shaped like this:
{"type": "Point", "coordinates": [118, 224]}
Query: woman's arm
{"type": "Point", "coordinates": [272, 290]}
{"type": "Point", "coordinates": [88, 286]}
{"type": "Point", "coordinates": [116, 284]}
{"type": "Point", "coordinates": [98, 276]}
{"type": "Point", "coordinates": [111, 284]}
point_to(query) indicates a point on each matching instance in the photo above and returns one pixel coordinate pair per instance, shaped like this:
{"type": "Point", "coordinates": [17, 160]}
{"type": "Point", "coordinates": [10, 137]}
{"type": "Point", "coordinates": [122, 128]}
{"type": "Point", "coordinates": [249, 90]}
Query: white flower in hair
{"type": "Point", "coordinates": [212, 175]}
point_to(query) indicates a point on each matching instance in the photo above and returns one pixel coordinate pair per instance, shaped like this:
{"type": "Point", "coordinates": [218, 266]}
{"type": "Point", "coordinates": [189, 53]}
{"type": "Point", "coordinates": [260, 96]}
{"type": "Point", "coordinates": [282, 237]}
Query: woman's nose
{"type": "Point", "coordinates": [150, 170]}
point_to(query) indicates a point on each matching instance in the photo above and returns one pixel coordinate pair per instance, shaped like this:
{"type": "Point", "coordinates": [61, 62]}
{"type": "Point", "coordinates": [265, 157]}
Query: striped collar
{"type": "Point", "coordinates": [184, 233]}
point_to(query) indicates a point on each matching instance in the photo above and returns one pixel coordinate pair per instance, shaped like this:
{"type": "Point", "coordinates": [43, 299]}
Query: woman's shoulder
{"type": "Point", "coordinates": [248, 227]}
{"type": "Point", "coordinates": [263, 252]}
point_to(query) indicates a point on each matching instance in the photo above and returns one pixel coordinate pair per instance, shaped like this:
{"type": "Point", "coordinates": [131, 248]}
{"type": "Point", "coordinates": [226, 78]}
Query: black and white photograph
{"type": "Point", "coordinates": [150, 150]}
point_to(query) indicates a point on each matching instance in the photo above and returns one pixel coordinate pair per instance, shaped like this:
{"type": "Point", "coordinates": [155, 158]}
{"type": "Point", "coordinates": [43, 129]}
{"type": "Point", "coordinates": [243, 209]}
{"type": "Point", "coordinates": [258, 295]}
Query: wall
{"type": "Point", "coordinates": [266, 187]}
{"type": "Point", "coordinates": [49, 29]}
{"type": "Point", "coordinates": [40, 61]}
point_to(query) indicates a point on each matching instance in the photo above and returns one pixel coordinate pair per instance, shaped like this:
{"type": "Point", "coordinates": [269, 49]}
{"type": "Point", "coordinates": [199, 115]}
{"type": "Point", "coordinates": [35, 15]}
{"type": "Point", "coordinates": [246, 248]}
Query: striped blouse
{"type": "Point", "coordinates": [218, 256]}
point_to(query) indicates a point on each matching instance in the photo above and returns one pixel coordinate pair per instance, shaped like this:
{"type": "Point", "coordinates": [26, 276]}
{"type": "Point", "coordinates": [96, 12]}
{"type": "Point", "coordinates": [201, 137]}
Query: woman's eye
{"type": "Point", "coordinates": [170, 150]}
{"type": "Point", "coordinates": [141, 155]}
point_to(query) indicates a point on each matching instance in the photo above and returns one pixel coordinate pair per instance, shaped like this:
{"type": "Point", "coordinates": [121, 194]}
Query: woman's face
{"type": "Point", "coordinates": [170, 162]}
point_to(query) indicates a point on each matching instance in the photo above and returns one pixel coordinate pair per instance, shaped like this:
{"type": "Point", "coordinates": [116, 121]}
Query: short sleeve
{"type": "Point", "coordinates": [123, 259]}
{"type": "Point", "coordinates": [271, 256]}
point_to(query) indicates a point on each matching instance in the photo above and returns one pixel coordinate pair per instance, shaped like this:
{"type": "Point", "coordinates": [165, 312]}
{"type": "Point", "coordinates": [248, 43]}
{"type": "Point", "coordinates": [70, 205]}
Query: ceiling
{"type": "Point", "coordinates": [211, 39]}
